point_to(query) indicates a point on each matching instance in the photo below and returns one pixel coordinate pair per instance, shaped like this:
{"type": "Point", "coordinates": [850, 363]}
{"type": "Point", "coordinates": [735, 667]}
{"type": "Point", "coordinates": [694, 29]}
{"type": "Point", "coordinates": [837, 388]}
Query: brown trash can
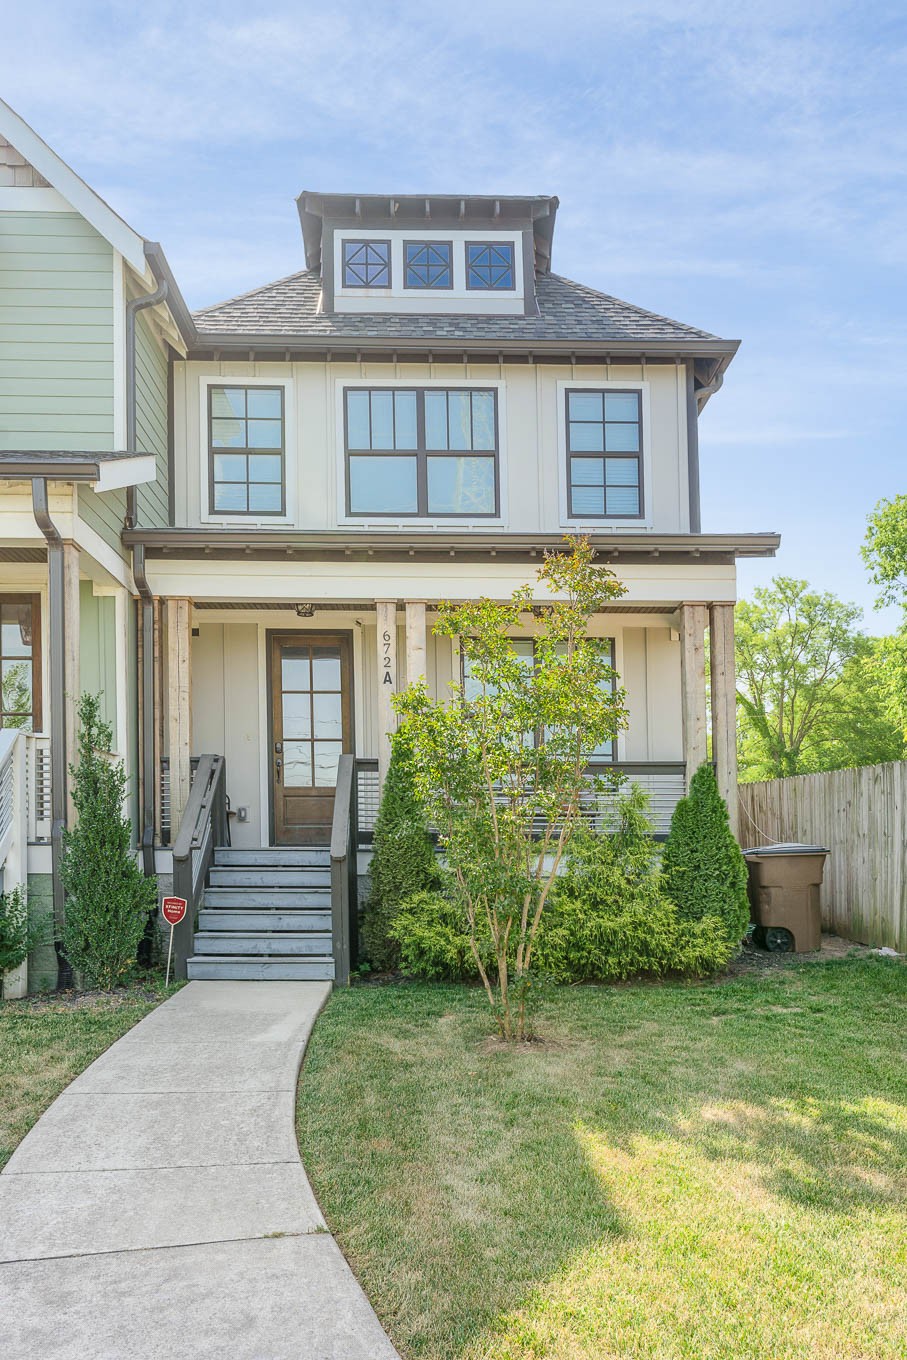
{"type": "Point", "coordinates": [784, 882]}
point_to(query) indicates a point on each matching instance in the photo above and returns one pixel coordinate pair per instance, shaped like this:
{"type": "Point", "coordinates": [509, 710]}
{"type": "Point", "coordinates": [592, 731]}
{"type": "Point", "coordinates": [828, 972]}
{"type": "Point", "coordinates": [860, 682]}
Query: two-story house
{"type": "Point", "coordinates": [239, 523]}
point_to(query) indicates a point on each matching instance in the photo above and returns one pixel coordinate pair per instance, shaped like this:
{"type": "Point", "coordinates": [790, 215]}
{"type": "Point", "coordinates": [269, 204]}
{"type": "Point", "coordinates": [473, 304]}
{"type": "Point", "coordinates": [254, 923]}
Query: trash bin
{"type": "Point", "coordinates": [784, 882]}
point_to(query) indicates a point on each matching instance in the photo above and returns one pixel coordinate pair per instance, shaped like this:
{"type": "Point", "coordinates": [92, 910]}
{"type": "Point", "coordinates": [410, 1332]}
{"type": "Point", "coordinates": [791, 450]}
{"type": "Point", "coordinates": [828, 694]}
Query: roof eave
{"type": "Point", "coordinates": [206, 341]}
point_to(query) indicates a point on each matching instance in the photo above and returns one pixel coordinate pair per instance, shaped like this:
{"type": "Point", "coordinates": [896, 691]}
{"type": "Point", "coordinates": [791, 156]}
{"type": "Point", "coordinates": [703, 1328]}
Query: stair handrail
{"type": "Point", "coordinates": [344, 870]}
{"type": "Point", "coordinates": [203, 827]}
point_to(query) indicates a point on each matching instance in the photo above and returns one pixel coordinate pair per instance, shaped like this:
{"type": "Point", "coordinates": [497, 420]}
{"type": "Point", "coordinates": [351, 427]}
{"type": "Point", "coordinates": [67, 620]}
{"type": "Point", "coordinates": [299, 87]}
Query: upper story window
{"type": "Point", "coordinates": [604, 469]}
{"type": "Point", "coordinates": [20, 661]}
{"type": "Point", "coordinates": [490, 265]}
{"type": "Point", "coordinates": [246, 450]}
{"type": "Point", "coordinates": [366, 264]}
{"type": "Point", "coordinates": [421, 451]}
{"type": "Point", "coordinates": [428, 264]}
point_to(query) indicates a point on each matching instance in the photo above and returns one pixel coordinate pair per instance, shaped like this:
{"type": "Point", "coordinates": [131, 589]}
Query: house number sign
{"type": "Point", "coordinates": [387, 677]}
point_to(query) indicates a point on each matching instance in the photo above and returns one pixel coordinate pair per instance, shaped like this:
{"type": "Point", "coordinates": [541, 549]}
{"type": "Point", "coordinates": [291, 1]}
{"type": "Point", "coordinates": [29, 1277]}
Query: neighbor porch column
{"type": "Point", "coordinates": [71, 667]}
{"type": "Point", "coordinates": [416, 647]}
{"type": "Point", "coordinates": [692, 681]}
{"type": "Point", "coordinates": [179, 708]}
{"type": "Point", "coordinates": [724, 704]}
{"type": "Point", "coordinates": [387, 681]}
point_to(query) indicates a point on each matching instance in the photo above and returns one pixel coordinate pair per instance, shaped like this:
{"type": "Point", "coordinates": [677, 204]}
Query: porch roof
{"type": "Point", "coordinates": [105, 470]}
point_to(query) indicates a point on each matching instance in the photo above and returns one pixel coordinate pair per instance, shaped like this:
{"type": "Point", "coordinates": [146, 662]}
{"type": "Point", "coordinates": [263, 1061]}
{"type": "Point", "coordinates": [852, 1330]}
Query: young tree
{"type": "Point", "coordinates": [885, 553]}
{"type": "Point", "coordinates": [793, 646]}
{"type": "Point", "coordinates": [501, 769]}
{"type": "Point", "coordinates": [403, 862]}
{"type": "Point", "coordinates": [704, 871]}
{"type": "Point", "coordinates": [108, 898]}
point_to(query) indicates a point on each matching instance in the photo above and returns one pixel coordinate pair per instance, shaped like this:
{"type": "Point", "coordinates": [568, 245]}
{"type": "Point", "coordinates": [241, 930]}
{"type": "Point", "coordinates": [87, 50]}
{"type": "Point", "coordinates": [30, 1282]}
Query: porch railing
{"type": "Point", "coordinates": [164, 829]}
{"type": "Point", "coordinates": [204, 826]}
{"type": "Point", "coordinates": [344, 869]}
{"type": "Point", "coordinates": [662, 780]}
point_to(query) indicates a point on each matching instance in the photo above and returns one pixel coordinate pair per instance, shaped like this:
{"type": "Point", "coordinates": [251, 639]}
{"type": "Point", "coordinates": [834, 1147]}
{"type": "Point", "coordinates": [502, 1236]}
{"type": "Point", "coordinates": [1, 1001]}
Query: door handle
{"type": "Point", "coordinates": [278, 764]}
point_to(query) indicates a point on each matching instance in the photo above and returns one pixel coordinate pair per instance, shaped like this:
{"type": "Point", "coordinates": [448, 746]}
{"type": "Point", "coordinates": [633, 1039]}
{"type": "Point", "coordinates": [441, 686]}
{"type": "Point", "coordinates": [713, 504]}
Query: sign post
{"type": "Point", "coordinates": [173, 910]}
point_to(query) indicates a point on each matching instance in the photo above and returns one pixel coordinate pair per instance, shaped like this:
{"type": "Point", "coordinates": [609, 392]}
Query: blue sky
{"type": "Point", "coordinates": [740, 168]}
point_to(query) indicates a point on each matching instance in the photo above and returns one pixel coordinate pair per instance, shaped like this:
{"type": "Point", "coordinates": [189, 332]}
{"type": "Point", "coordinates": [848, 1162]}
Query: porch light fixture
{"type": "Point", "coordinates": [305, 611]}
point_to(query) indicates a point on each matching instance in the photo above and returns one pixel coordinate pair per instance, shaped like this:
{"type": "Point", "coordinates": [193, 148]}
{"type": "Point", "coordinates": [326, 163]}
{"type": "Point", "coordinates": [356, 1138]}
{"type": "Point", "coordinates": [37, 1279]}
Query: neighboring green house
{"type": "Point", "coordinates": [237, 524]}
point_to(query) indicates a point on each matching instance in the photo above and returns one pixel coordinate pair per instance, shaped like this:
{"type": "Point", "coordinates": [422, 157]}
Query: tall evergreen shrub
{"type": "Point", "coordinates": [403, 860]}
{"type": "Point", "coordinates": [704, 871]}
{"type": "Point", "coordinates": [108, 899]}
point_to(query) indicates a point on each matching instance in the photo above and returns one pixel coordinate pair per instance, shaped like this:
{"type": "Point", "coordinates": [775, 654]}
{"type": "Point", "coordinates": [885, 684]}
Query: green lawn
{"type": "Point", "coordinates": [708, 1170]}
{"type": "Point", "coordinates": [46, 1042]}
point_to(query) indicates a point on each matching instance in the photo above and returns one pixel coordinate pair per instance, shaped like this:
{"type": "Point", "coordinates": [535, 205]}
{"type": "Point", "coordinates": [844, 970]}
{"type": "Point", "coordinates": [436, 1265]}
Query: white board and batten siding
{"type": "Point", "coordinates": [861, 816]}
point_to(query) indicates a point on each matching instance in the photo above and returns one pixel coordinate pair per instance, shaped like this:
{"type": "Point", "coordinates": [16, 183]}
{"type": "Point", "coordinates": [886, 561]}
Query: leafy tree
{"type": "Point", "coordinates": [705, 873]}
{"type": "Point", "coordinates": [108, 898]}
{"type": "Point", "coordinates": [885, 553]}
{"type": "Point", "coordinates": [501, 769]}
{"type": "Point", "coordinates": [403, 862]}
{"type": "Point", "coordinates": [18, 935]}
{"type": "Point", "coordinates": [792, 646]}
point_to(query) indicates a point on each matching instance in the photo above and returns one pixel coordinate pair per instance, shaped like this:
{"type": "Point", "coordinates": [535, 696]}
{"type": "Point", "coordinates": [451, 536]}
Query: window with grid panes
{"type": "Point", "coordinates": [246, 450]}
{"type": "Point", "coordinates": [604, 454]}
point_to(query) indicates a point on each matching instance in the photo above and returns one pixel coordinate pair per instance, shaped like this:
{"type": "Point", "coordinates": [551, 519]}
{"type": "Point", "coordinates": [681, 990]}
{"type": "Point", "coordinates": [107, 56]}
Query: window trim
{"type": "Point", "coordinates": [428, 287]}
{"type": "Point", "coordinates": [612, 639]}
{"type": "Point", "coordinates": [37, 664]}
{"type": "Point", "coordinates": [420, 453]}
{"type": "Point", "coordinates": [226, 384]}
{"type": "Point", "coordinates": [347, 241]}
{"type": "Point", "coordinates": [476, 288]}
{"type": "Point", "coordinates": [603, 389]}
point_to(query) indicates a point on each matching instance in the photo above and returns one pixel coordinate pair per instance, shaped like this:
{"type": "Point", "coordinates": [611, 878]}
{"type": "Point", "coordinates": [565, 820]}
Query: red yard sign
{"type": "Point", "coordinates": [173, 910]}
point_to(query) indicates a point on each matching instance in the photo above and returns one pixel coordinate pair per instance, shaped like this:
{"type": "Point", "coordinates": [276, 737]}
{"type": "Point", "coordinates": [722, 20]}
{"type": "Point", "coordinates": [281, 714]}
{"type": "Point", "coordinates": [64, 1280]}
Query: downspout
{"type": "Point", "coordinates": [58, 773]}
{"type": "Point", "coordinates": [133, 306]}
{"type": "Point", "coordinates": [147, 683]}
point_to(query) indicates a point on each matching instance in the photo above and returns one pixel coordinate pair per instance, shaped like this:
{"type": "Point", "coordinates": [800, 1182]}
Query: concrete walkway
{"type": "Point", "coordinates": [159, 1209]}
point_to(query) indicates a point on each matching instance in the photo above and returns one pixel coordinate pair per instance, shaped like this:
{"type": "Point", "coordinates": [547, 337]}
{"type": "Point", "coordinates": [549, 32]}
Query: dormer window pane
{"type": "Point", "coordinates": [427, 264]}
{"type": "Point", "coordinates": [490, 265]}
{"type": "Point", "coordinates": [366, 264]}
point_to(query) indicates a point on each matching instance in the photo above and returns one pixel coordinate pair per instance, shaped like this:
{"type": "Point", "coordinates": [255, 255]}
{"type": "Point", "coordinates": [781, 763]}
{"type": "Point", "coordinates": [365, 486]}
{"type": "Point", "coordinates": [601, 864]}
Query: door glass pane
{"type": "Point", "coordinates": [16, 630]}
{"type": "Point", "coordinates": [297, 765]}
{"type": "Point", "coordinates": [326, 662]}
{"type": "Point", "coordinates": [328, 717]}
{"type": "Point", "coordinates": [17, 689]}
{"type": "Point", "coordinates": [295, 672]}
{"type": "Point", "coordinates": [297, 715]}
{"type": "Point", "coordinates": [327, 758]}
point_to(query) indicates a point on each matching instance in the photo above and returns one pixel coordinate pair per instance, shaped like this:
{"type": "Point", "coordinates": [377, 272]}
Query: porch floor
{"type": "Point", "coordinates": [159, 1207]}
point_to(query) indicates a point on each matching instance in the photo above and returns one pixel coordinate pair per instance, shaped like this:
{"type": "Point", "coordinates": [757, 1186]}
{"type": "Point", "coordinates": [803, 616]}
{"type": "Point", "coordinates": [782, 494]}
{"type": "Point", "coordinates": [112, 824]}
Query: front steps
{"type": "Point", "coordinates": [266, 915]}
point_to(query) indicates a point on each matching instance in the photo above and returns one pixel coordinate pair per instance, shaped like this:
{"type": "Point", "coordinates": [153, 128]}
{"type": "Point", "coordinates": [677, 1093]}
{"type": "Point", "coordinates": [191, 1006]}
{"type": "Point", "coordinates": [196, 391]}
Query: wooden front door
{"type": "Point", "coordinates": [310, 729]}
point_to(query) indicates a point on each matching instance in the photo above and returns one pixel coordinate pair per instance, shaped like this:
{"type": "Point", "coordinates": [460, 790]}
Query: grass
{"type": "Point", "coordinates": [696, 1171]}
{"type": "Point", "coordinates": [47, 1041]}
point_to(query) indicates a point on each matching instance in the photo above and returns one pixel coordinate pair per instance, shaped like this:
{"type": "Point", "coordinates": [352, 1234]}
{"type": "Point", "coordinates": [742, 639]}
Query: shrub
{"type": "Point", "coordinates": [403, 862]}
{"type": "Point", "coordinates": [609, 917]}
{"type": "Point", "coordinates": [432, 934]}
{"type": "Point", "coordinates": [18, 936]}
{"type": "Point", "coordinates": [108, 898]}
{"type": "Point", "coordinates": [704, 871]}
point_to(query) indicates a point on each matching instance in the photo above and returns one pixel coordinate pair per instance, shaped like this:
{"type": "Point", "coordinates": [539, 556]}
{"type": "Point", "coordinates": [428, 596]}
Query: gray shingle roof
{"type": "Point", "coordinates": [568, 311]}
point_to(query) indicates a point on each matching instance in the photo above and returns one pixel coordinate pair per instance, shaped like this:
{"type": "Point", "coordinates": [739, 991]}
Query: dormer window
{"type": "Point", "coordinates": [366, 264]}
{"type": "Point", "coordinates": [490, 265]}
{"type": "Point", "coordinates": [428, 264]}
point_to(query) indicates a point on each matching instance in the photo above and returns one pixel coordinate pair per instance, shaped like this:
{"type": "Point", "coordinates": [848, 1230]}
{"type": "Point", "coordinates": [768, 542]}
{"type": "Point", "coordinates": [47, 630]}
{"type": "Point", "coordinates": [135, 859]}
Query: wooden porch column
{"type": "Point", "coordinates": [179, 708]}
{"type": "Point", "coordinates": [692, 681]}
{"type": "Point", "coordinates": [724, 704]}
{"type": "Point", "coordinates": [387, 681]}
{"type": "Point", "coordinates": [416, 648]}
{"type": "Point", "coordinates": [71, 679]}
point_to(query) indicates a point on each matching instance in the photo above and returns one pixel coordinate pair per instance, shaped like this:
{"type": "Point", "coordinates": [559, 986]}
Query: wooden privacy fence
{"type": "Point", "coordinates": [861, 816]}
